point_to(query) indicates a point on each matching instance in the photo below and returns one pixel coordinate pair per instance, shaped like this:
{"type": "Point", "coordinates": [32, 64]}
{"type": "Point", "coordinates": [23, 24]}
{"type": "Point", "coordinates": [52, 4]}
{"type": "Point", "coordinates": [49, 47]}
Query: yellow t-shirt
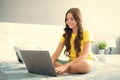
{"type": "Point", "coordinates": [86, 37]}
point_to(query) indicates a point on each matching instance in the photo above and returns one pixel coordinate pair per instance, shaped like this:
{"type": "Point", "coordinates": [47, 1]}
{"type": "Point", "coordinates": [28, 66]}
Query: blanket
{"type": "Point", "coordinates": [100, 71]}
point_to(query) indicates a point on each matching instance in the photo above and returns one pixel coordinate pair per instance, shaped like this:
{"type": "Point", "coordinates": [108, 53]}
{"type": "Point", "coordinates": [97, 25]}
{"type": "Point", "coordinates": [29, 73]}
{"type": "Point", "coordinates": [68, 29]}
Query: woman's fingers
{"type": "Point", "coordinates": [60, 70]}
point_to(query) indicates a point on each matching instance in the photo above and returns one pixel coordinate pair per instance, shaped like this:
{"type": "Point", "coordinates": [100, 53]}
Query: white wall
{"type": "Point", "coordinates": [105, 19]}
{"type": "Point", "coordinates": [37, 11]}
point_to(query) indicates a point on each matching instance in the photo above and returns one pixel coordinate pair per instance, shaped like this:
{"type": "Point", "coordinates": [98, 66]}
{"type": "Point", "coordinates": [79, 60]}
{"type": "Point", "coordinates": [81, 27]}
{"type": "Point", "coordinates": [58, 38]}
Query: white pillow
{"type": "Point", "coordinates": [7, 54]}
{"type": "Point", "coordinates": [94, 57]}
{"type": "Point", "coordinates": [29, 47]}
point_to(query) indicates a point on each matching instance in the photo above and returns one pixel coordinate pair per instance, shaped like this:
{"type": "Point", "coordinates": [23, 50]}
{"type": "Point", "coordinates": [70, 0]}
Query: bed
{"type": "Point", "coordinates": [15, 34]}
{"type": "Point", "coordinates": [100, 71]}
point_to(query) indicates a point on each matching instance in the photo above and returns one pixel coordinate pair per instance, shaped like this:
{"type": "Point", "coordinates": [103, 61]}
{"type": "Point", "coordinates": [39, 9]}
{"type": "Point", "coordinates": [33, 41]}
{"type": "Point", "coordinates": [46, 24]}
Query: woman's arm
{"type": "Point", "coordinates": [85, 52]}
{"type": "Point", "coordinates": [57, 52]}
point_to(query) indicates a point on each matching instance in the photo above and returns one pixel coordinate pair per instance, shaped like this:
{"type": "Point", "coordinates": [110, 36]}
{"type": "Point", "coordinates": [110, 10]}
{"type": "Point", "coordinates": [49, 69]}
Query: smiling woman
{"type": "Point", "coordinates": [77, 42]}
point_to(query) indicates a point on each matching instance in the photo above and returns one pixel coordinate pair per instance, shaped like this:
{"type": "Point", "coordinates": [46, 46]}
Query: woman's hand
{"type": "Point", "coordinates": [62, 69]}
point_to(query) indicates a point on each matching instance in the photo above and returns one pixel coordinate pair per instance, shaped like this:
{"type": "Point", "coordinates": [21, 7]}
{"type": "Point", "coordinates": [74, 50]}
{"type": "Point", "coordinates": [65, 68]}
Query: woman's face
{"type": "Point", "coordinates": [71, 21]}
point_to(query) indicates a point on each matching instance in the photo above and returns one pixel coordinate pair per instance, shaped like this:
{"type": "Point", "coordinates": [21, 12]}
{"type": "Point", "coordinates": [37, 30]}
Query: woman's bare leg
{"type": "Point", "coordinates": [81, 66]}
{"type": "Point", "coordinates": [57, 64]}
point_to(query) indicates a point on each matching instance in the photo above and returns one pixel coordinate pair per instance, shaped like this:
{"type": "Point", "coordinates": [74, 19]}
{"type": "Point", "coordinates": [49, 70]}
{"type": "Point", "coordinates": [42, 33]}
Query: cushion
{"type": "Point", "coordinates": [7, 54]}
{"type": "Point", "coordinates": [94, 57]}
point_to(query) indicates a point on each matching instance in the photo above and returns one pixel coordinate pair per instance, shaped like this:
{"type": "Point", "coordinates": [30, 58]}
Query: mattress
{"type": "Point", "coordinates": [100, 71]}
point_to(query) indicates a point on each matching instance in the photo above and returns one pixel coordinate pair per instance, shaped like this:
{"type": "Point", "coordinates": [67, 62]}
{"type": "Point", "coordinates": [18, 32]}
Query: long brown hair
{"type": "Point", "coordinates": [68, 32]}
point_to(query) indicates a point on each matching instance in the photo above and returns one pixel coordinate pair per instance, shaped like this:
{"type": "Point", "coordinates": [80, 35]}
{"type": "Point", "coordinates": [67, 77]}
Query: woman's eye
{"type": "Point", "coordinates": [72, 19]}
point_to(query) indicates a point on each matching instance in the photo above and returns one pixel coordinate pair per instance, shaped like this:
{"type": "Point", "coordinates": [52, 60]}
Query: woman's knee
{"type": "Point", "coordinates": [80, 67]}
{"type": "Point", "coordinates": [86, 66]}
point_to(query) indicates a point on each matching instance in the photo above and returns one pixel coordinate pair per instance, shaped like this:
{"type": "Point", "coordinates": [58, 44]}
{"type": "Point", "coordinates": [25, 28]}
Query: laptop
{"type": "Point", "coordinates": [18, 54]}
{"type": "Point", "coordinates": [38, 62]}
